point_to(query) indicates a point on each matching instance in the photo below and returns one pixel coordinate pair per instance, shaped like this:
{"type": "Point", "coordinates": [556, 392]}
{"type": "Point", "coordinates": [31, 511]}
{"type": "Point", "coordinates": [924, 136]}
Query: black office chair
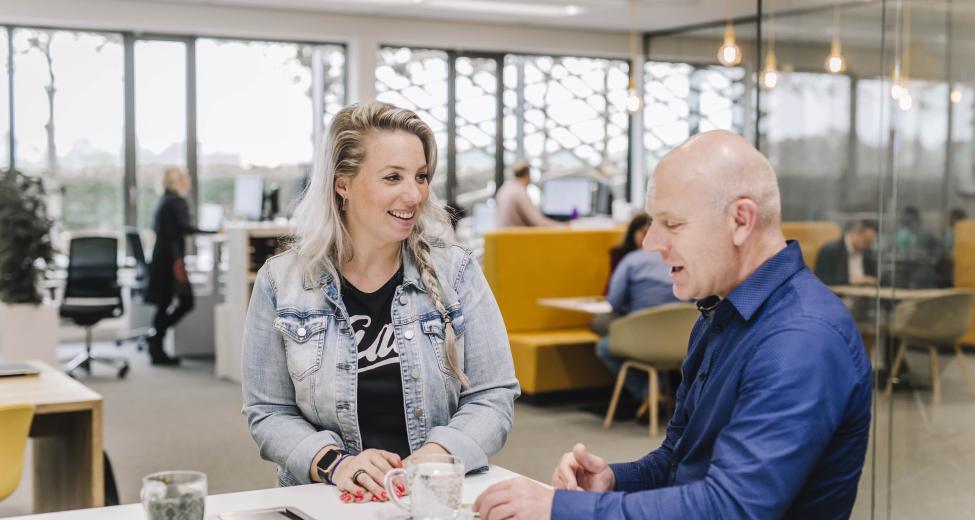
{"type": "Point", "coordinates": [137, 291]}
{"type": "Point", "coordinates": [91, 294]}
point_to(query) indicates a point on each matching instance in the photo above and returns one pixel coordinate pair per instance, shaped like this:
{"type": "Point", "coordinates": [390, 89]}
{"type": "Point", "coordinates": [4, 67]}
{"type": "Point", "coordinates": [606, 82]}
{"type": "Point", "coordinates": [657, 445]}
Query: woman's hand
{"type": "Point", "coordinates": [362, 475]}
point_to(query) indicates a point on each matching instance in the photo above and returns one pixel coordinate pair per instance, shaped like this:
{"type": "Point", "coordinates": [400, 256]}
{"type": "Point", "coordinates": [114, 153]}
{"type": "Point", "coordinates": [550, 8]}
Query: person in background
{"type": "Point", "coordinates": [850, 260]}
{"type": "Point", "coordinates": [636, 230]}
{"type": "Point", "coordinates": [168, 279]}
{"type": "Point", "coordinates": [376, 337]}
{"type": "Point", "coordinates": [946, 265]}
{"type": "Point", "coordinates": [773, 413]}
{"type": "Point", "coordinates": [513, 206]}
{"type": "Point", "coordinates": [640, 281]}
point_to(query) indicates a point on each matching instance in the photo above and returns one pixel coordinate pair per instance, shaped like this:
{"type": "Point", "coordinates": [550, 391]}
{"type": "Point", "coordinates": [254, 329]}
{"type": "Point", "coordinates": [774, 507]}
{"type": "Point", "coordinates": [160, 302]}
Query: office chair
{"type": "Point", "coordinates": [139, 314]}
{"type": "Point", "coordinates": [15, 422]}
{"type": "Point", "coordinates": [91, 294]}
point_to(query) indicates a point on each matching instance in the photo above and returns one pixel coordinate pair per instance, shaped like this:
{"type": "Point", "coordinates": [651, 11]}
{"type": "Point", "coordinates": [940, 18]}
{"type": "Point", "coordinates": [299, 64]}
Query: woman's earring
{"type": "Point", "coordinates": [345, 203]}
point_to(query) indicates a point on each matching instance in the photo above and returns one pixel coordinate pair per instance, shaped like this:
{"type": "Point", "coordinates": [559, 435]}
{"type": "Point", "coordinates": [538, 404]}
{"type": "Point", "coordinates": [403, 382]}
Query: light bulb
{"type": "Point", "coordinates": [896, 90]}
{"type": "Point", "coordinates": [633, 100]}
{"type": "Point", "coordinates": [729, 54]}
{"type": "Point", "coordinates": [835, 62]}
{"type": "Point", "coordinates": [955, 96]}
{"type": "Point", "coordinates": [770, 75]}
{"type": "Point", "coordinates": [904, 102]}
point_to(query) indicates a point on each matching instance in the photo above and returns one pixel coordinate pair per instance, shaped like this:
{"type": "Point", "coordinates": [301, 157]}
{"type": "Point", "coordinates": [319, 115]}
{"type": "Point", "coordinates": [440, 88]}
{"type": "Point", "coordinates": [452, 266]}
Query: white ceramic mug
{"type": "Point", "coordinates": [434, 483]}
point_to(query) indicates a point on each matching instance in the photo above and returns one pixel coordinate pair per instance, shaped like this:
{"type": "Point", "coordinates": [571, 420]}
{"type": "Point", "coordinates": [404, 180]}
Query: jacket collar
{"type": "Point", "coordinates": [411, 276]}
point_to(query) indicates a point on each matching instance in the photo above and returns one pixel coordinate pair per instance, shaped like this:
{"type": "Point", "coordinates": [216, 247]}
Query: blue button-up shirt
{"type": "Point", "coordinates": [772, 415]}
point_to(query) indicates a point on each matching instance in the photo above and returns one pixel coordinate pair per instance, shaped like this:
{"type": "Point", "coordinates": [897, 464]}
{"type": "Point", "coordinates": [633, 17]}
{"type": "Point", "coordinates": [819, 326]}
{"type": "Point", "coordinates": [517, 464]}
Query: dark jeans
{"type": "Point", "coordinates": [167, 315]}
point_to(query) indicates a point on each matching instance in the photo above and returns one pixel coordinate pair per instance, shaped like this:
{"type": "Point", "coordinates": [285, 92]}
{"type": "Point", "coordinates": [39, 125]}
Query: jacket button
{"type": "Point", "coordinates": [402, 300]}
{"type": "Point", "coordinates": [415, 374]}
{"type": "Point", "coordinates": [302, 331]}
{"type": "Point", "coordinates": [408, 334]}
{"type": "Point", "coordinates": [418, 412]}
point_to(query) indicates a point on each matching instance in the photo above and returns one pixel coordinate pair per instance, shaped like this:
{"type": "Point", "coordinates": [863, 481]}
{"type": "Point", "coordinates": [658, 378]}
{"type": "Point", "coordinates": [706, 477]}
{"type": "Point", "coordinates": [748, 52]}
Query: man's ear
{"type": "Point", "coordinates": [744, 220]}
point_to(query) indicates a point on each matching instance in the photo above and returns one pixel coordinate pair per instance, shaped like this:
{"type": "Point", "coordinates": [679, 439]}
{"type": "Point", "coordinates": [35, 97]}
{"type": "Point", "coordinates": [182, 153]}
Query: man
{"type": "Point", "coordinates": [514, 208]}
{"type": "Point", "coordinates": [773, 412]}
{"type": "Point", "coordinates": [850, 260]}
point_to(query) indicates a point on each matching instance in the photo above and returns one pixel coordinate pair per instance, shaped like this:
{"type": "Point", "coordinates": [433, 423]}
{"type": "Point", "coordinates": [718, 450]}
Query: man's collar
{"type": "Point", "coordinates": [752, 293]}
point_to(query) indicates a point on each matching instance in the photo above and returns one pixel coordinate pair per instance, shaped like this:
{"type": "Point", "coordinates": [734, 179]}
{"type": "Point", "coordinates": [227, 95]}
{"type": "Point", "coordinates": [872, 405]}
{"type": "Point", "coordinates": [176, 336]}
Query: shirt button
{"type": "Point", "coordinates": [418, 412]}
{"type": "Point", "coordinates": [415, 374]}
{"type": "Point", "coordinates": [408, 334]}
{"type": "Point", "coordinates": [302, 332]}
{"type": "Point", "coordinates": [402, 300]}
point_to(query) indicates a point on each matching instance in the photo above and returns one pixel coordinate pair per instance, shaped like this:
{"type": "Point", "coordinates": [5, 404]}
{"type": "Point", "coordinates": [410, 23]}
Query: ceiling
{"type": "Point", "coordinates": [610, 15]}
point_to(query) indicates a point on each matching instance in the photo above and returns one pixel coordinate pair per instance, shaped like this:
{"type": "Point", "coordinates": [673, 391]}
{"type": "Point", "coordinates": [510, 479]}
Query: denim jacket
{"type": "Point", "coordinates": [299, 364]}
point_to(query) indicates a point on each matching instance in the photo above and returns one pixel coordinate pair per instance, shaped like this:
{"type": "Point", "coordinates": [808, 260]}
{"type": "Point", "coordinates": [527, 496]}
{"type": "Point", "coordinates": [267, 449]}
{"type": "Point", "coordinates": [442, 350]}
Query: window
{"type": "Point", "coordinates": [160, 118]}
{"type": "Point", "coordinates": [4, 101]}
{"type": "Point", "coordinates": [567, 117]}
{"type": "Point", "coordinates": [68, 90]}
{"type": "Point", "coordinates": [255, 114]}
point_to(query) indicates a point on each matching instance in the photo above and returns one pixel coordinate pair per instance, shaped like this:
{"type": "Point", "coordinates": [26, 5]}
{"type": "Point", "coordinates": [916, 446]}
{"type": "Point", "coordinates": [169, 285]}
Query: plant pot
{"type": "Point", "coordinates": [29, 332]}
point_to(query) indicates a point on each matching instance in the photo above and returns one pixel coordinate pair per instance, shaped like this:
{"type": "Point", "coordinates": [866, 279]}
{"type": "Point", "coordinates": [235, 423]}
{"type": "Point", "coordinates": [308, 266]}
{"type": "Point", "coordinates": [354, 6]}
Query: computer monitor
{"type": "Point", "coordinates": [211, 217]}
{"type": "Point", "coordinates": [248, 196]}
{"type": "Point", "coordinates": [566, 197]}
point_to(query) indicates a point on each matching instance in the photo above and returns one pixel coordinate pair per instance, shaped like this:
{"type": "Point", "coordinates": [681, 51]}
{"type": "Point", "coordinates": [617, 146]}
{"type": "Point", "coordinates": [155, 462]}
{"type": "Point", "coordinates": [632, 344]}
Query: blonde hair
{"type": "Point", "coordinates": [173, 178]}
{"type": "Point", "coordinates": [322, 240]}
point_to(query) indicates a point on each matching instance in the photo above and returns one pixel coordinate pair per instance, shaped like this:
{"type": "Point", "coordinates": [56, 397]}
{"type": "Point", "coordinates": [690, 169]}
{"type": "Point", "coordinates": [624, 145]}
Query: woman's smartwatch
{"type": "Point", "coordinates": [326, 463]}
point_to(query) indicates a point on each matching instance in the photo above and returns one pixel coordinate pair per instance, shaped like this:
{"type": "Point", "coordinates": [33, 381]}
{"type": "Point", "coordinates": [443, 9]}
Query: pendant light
{"type": "Point", "coordinates": [835, 62]}
{"type": "Point", "coordinates": [769, 77]}
{"type": "Point", "coordinates": [634, 102]}
{"type": "Point", "coordinates": [729, 54]}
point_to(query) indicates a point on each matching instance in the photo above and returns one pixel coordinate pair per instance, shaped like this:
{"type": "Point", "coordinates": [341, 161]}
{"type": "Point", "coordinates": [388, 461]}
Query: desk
{"type": "Point", "coordinates": [890, 293]}
{"type": "Point", "coordinates": [67, 433]}
{"type": "Point", "coordinates": [586, 304]}
{"type": "Point", "coordinates": [317, 500]}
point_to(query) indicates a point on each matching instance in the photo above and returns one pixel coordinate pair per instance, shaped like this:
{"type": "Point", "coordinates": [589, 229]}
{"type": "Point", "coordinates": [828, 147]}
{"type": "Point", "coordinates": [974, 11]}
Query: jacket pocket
{"type": "Point", "coordinates": [433, 329]}
{"type": "Point", "coordinates": [304, 341]}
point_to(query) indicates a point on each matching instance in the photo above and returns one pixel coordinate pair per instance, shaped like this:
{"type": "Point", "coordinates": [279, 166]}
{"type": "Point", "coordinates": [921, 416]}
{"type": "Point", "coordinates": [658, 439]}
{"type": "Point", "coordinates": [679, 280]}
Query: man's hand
{"type": "Point", "coordinates": [581, 470]}
{"type": "Point", "coordinates": [516, 499]}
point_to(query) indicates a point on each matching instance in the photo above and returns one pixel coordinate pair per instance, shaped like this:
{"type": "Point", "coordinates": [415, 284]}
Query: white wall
{"type": "Point", "coordinates": [364, 34]}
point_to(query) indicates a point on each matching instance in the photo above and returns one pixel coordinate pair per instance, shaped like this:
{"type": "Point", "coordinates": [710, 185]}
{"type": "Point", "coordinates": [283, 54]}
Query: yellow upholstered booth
{"type": "Point", "coordinates": [964, 271]}
{"type": "Point", "coordinates": [812, 236]}
{"type": "Point", "coordinates": [553, 349]}
{"type": "Point", "coordinates": [15, 421]}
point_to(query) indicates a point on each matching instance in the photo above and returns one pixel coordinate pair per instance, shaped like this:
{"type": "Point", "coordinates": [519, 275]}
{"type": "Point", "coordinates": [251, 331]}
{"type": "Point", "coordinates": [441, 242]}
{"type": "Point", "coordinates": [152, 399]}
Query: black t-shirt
{"type": "Point", "coordinates": [382, 423]}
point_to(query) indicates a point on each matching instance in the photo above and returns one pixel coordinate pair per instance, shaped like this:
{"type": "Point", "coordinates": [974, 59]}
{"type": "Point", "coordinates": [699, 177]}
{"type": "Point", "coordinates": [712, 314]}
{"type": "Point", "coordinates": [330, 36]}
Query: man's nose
{"type": "Point", "coordinates": [653, 241]}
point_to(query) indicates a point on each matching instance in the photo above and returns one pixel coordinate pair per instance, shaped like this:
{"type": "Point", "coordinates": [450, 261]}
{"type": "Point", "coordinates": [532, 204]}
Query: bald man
{"type": "Point", "coordinates": [773, 412]}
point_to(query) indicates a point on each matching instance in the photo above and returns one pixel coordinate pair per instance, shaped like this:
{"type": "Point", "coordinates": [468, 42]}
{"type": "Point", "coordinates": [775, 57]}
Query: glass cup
{"type": "Point", "coordinates": [174, 495]}
{"type": "Point", "coordinates": [434, 483]}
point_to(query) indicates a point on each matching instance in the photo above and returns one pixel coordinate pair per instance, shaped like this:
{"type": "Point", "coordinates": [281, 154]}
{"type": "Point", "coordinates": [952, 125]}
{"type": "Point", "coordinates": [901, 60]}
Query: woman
{"type": "Point", "coordinates": [371, 340]}
{"type": "Point", "coordinates": [167, 272]}
{"type": "Point", "coordinates": [636, 230]}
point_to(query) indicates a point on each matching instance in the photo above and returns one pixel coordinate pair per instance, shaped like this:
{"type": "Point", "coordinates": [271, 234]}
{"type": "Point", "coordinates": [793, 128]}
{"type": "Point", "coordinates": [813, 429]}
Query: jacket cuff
{"type": "Point", "coordinates": [299, 461]}
{"type": "Point", "coordinates": [460, 445]}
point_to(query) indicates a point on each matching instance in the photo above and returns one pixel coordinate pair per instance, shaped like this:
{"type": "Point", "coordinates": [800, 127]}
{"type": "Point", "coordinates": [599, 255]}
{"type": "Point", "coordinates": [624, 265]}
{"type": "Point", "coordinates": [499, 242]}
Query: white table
{"type": "Point", "coordinates": [319, 501]}
{"type": "Point", "coordinates": [585, 304]}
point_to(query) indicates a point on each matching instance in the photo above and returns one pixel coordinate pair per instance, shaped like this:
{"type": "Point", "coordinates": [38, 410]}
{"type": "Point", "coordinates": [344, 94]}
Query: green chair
{"type": "Point", "coordinates": [15, 422]}
{"type": "Point", "coordinates": [932, 324]}
{"type": "Point", "coordinates": [650, 340]}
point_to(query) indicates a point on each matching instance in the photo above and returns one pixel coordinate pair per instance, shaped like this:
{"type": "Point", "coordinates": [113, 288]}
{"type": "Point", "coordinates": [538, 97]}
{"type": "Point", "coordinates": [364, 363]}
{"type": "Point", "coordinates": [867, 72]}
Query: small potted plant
{"type": "Point", "coordinates": [28, 328]}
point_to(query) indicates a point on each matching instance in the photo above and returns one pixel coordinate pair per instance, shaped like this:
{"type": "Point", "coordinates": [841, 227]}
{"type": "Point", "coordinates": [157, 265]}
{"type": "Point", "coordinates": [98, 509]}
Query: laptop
{"type": "Point", "coordinates": [17, 369]}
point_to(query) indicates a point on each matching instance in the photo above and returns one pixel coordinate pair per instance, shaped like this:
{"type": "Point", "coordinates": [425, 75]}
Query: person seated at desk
{"type": "Point", "coordinates": [513, 206]}
{"type": "Point", "coordinates": [372, 340]}
{"type": "Point", "coordinates": [850, 260]}
{"type": "Point", "coordinates": [640, 281]}
{"type": "Point", "coordinates": [636, 230]}
{"type": "Point", "coordinates": [773, 413]}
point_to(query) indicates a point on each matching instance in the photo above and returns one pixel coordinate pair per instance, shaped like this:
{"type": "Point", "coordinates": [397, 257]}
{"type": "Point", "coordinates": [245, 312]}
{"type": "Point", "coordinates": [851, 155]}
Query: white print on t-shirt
{"type": "Point", "coordinates": [382, 351]}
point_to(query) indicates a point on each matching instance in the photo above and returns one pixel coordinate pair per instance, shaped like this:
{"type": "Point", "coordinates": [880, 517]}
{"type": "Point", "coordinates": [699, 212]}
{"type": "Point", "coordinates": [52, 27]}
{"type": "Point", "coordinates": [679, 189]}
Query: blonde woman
{"type": "Point", "coordinates": [375, 338]}
{"type": "Point", "coordinates": [168, 281]}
